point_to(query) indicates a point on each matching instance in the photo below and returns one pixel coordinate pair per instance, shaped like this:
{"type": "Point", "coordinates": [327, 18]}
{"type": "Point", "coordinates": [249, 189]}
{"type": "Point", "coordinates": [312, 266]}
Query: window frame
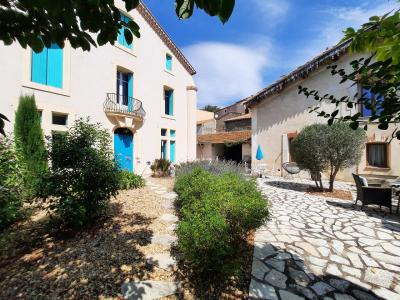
{"type": "Point", "coordinates": [124, 44]}
{"type": "Point", "coordinates": [171, 102]}
{"type": "Point", "coordinates": [49, 81]}
{"type": "Point", "coordinates": [169, 66]}
{"type": "Point", "coordinates": [58, 114]}
{"type": "Point", "coordinates": [367, 150]}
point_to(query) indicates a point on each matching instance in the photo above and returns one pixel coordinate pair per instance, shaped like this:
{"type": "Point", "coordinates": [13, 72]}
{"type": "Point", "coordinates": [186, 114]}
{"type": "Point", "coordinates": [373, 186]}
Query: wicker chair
{"type": "Point", "coordinates": [381, 196]}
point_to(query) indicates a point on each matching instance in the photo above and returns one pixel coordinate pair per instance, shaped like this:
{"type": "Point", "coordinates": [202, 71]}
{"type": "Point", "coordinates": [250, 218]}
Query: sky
{"type": "Point", "coordinates": [263, 40]}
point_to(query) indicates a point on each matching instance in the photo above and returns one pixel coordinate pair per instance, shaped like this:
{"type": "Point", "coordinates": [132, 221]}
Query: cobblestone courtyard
{"type": "Point", "coordinates": [322, 248]}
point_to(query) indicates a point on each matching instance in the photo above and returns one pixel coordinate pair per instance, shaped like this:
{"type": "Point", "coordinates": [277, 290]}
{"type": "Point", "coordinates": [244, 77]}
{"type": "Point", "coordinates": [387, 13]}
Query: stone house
{"type": "Point", "coordinates": [279, 113]}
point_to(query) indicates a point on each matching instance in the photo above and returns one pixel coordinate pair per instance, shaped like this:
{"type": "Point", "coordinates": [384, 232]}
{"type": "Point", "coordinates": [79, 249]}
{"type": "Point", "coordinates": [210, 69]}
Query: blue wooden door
{"type": "Point", "coordinates": [123, 149]}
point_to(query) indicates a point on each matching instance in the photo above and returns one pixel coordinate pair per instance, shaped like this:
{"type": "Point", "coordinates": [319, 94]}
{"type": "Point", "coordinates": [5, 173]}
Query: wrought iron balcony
{"type": "Point", "coordinates": [123, 105]}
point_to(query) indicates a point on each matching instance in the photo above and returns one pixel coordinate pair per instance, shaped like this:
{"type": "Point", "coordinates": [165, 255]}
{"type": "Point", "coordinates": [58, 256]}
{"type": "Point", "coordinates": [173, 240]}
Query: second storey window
{"type": "Point", "coordinates": [377, 155]}
{"type": "Point", "coordinates": [121, 36]}
{"type": "Point", "coordinates": [168, 62]}
{"type": "Point", "coordinates": [124, 88]}
{"type": "Point", "coordinates": [372, 99]}
{"type": "Point", "coordinates": [168, 102]}
{"type": "Point", "coordinates": [59, 119]}
{"type": "Point", "coordinates": [47, 66]}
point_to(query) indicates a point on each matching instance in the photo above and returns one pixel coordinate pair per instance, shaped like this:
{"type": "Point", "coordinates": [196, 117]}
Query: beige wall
{"type": "Point", "coordinates": [288, 112]}
{"type": "Point", "coordinates": [88, 76]}
{"type": "Point", "coordinates": [203, 115]}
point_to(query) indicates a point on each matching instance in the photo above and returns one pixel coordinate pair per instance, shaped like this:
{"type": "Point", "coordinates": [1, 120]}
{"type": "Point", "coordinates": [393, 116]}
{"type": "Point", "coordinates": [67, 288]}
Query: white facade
{"type": "Point", "coordinates": [89, 76]}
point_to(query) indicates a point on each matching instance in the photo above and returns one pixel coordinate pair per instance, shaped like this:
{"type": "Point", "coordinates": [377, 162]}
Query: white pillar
{"type": "Point", "coordinates": [191, 122]}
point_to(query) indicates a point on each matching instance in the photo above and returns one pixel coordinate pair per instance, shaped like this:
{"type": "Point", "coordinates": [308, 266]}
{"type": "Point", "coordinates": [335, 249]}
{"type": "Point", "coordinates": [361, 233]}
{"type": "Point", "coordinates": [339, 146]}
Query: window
{"type": "Point", "coordinates": [172, 151]}
{"type": "Point", "coordinates": [124, 88]}
{"type": "Point", "coordinates": [377, 155]}
{"type": "Point", "coordinates": [173, 133]}
{"type": "Point", "coordinates": [169, 102]}
{"type": "Point", "coordinates": [168, 62]}
{"type": "Point", "coordinates": [121, 36]}
{"type": "Point", "coordinates": [59, 119]}
{"type": "Point", "coordinates": [47, 66]}
{"type": "Point", "coordinates": [163, 149]}
{"type": "Point", "coordinates": [371, 99]}
{"type": "Point", "coordinates": [163, 132]}
{"type": "Point", "coordinates": [40, 113]}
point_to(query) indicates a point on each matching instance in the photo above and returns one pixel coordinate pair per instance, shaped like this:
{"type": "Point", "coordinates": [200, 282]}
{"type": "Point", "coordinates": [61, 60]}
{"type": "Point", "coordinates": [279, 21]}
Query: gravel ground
{"type": "Point", "coordinates": [36, 263]}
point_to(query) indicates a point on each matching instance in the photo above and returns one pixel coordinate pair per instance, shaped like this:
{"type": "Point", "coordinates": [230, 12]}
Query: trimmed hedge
{"type": "Point", "coordinates": [217, 212]}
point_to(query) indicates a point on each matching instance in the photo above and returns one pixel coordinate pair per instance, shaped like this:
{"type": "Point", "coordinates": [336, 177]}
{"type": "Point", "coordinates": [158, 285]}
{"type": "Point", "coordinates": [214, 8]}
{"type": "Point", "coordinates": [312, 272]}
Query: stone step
{"type": "Point", "coordinates": [149, 289]}
{"type": "Point", "coordinates": [163, 239]}
{"type": "Point", "coordinates": [161, 260]}
{"type": "Point", "coordinates": [168, 218]}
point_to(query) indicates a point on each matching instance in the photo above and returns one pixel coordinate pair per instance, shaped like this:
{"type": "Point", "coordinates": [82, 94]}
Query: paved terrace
{"type": "Point", "coordinates": [322, 248]}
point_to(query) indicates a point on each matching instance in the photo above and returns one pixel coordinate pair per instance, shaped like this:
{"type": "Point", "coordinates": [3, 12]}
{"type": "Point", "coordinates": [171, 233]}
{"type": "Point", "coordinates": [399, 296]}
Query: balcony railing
{"type": "Point", "coordinates": [123, 105]}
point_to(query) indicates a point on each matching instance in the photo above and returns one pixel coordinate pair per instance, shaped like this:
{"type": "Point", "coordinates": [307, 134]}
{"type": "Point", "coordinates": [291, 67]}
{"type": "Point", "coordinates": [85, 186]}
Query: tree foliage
{"type": "Point", "coordinates": [379, 74]}
{"type": "Point", "coordinates": [211, 108]}
{"type": "Point", "coordinates": [29, 143]}
{"type": "Point", "coordinates": [84, 23]}
{"type": "Point", "coordinates": [322, 148]}
{"type": "Point", "coordinates": [10, 183]}
{"type": "Point", "coordinates": [83, 174]}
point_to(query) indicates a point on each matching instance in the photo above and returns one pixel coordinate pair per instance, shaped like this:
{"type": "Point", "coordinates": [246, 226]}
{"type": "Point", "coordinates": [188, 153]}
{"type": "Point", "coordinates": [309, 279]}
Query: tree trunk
{"type": "Point", "coordinates": [332, 178]}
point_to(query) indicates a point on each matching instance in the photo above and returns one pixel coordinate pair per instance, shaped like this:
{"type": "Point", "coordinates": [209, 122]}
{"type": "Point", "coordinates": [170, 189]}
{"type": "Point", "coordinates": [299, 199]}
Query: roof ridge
{"type": "Point", "coordinates": [159, 30]}
{"type": "Point", "coordinates": [300, 72]}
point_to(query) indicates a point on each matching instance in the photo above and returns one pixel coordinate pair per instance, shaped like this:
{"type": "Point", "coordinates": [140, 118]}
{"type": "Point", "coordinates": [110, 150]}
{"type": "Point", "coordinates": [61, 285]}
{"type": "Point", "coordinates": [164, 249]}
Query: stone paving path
{"type": "Point", "coordinates": [322, 248]}
{"type": "Point", "coordinates": [150, 289]}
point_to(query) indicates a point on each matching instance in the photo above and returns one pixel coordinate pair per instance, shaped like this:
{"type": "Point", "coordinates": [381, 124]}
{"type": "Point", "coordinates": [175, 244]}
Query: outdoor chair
{"type": "Point", "coordinates": [381, 196]}
{"type": "Point", "coordinates": [291, 168]}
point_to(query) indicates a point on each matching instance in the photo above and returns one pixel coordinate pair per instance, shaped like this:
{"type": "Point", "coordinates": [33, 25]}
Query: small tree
{"type": "Point", "coordinates": [211, 108]}
{"type": "Point", "coordinates": [307, 151]}
{"type": "Point", "coordinates": [29, 142]}
{"type": "Point", "coordinates": [323, 148]}
{"type": "Point", "coordinates": [343, 148]}
{"type": "Point", "coordinates": [83, 174]}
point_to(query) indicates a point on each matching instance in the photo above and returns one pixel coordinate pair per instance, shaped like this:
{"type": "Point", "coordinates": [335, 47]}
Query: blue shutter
{"type": "Point", "coordinates": [39, 66]}
{"type": "Point", "coordinates": [366, 94]}
{"type": "Point", "coordinates": [121, 37]}
{"type": "Point", "coordinates": [171, 103]}
{"type": "Point", "coordinates": [168, 63]}
{"type": "Point", "coordinates": [55, 66]}
{"type": "Point", "coordinates": [172, 151]}
{"type": "Point", "coordinates": [126, 43]}
{"type": "Point", "coordinates": [173, 132]}
{"type": "Point", "coordinates": [130, 91]}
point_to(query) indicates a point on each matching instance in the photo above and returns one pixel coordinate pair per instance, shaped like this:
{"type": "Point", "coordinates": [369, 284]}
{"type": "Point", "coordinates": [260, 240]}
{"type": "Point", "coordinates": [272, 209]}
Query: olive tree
{"type": "Point", "coordinates": [322, 148]}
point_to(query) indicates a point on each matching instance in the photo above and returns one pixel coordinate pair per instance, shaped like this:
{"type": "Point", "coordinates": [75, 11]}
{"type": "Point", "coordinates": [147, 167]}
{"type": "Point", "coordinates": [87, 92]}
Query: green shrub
{"type": "Point", "coordinates": [10, 183]}
{"type": "Point", "coordinates": [217, 167]}
{"type": "Point", "coordinates": [83, 174]}
{"type": "Point", "coordinates": [161, 167]}
{"type": "Point", "coordinates": [130, 181]}
{"type": "Point", "coordinates": [217, 212]}
{"type": "Point", "coordinates": [30, 144]}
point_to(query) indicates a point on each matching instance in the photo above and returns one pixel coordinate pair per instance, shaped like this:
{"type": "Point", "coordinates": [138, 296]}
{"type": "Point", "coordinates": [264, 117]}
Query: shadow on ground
{"type": "Point", "coordinates": [45, 264]}
{"type": "Point", "coordinates": [281, 272]}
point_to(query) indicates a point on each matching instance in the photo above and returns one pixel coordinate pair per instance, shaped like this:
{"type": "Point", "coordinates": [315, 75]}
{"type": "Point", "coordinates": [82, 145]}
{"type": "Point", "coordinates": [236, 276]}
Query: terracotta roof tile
{"type": "Point", "coordinates": [225, 137]}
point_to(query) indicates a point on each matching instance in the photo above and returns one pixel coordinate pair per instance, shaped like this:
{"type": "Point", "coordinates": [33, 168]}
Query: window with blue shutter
{"type": "Point", "coordinates": [163, 149]}
{"type": "Point", "coordinates": [172, 133]}
{"type": "Point", "coordinates": [371, 98]}
{"type": "Point", "coordinates": [169, 102]}
{"type": "Point", "coordinates": [47, 66]}
{"type": "Point", "coordinates": [168, 62]}
{"type": "Point", "coordinates": [172, 151]}
{"type": "Point", "coordinates": [121, 36]}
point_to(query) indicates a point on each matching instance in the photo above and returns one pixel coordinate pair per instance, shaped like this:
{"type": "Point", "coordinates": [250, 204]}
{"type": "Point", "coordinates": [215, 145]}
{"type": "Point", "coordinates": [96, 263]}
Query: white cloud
{"type": "Point", "coordinates": [227, 72]}
{"type": "Point", "coordinates": [271, 10]}
{"type": "Point", "coordinates": [337, 19]}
